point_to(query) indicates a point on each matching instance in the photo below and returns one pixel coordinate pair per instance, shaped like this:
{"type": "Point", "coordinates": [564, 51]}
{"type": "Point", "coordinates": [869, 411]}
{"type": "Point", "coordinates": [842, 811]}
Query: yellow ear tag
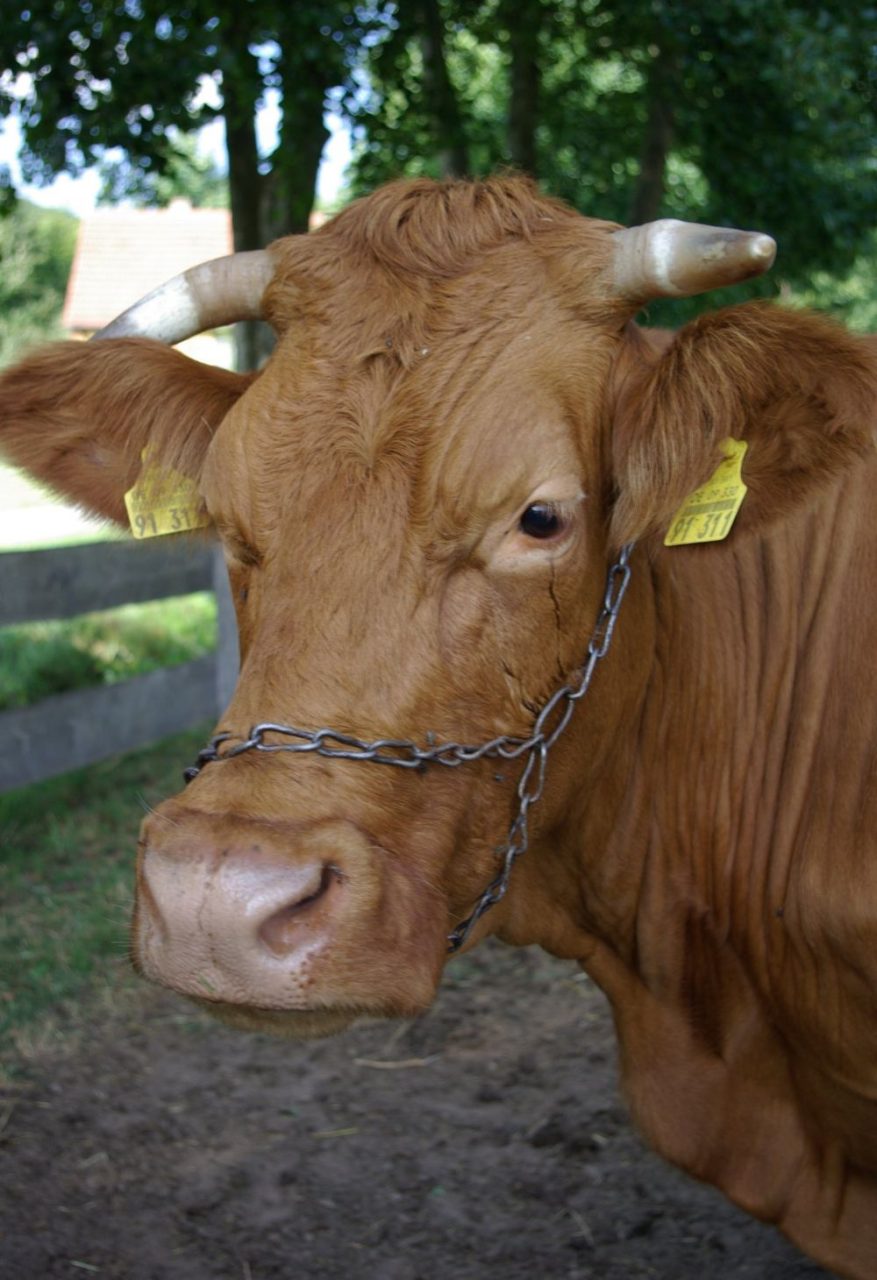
{"type": "Point", "coordinates": [708, 514]}
{"type": "Point", "coordinates": [164, 501]}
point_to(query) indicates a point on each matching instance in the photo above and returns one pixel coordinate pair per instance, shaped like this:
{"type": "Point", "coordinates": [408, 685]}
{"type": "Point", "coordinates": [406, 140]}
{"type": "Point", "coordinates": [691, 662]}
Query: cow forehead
{"type": "Point", "coordinates": [465, 410]}
{"type": "Point", "coordinates": [410, 248]}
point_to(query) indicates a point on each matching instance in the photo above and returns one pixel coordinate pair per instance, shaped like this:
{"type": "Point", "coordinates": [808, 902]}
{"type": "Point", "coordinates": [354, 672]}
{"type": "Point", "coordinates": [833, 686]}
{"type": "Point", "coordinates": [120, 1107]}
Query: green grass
{"type": "Point", "coordinates": [67, 851]}
{"type": "Point", "coordinates": [41, 658]}
{"type": "Point", "coordinates": [67, 845]}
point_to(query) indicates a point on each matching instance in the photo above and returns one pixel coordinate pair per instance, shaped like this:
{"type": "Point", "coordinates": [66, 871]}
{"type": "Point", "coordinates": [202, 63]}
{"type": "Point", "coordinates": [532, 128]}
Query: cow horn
{"type": "Point", "coordinates": [672, 259]}
{"type": "Point", "coordinates": [204, 297]}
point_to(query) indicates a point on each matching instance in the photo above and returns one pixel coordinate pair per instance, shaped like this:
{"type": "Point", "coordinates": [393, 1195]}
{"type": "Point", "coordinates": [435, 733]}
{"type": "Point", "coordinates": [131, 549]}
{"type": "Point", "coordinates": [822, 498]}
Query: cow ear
{"type": "Point", "coordinates": [797, 388]}
{"type": "Point", "coordinates": [78, 416]}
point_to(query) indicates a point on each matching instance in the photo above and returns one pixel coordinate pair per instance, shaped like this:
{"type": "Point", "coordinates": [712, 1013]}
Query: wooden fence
{"type": "Point", "coordinates": [84, 726]}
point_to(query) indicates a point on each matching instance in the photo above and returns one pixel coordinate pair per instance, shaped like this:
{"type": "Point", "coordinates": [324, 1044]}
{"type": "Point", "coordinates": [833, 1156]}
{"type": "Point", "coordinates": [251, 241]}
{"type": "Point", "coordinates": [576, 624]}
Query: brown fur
{"type": "Point", "coordinates": [705, 844]}
{"type": "Point", "coordinates": [796, 386]}
{"type": "Point", "coordinates": [78, 415]}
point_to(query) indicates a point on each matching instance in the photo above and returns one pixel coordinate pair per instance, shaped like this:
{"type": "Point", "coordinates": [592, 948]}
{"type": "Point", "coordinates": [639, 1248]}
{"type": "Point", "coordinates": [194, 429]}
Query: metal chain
{"type": "Point", "coordinates": [404, 754]}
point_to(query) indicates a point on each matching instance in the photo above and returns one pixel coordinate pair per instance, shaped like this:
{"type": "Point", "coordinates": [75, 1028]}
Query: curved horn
{"type": "Point", "coordinates": [672, 259]}
{"type": "Point", "coordinates": [204, 297]}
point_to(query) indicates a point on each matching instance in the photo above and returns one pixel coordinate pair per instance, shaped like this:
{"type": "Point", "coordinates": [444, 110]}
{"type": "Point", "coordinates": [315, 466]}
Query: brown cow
{"type": "Point", "coordinates": [419, 497]}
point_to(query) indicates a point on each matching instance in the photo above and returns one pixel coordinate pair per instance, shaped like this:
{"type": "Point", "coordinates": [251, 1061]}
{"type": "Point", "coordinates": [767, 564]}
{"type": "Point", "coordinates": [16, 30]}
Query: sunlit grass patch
{"type": "Point", "coordinates": [42, 658]}
{"type": "Point", "coordinates": [66, 881]}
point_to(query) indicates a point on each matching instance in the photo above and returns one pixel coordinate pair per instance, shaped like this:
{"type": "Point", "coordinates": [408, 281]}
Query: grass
{"type": "Point", "coordinates": [41, 658]}
{"type": "Point", "coordinates": [67, 845]}
{"type": "Point", "coordinates": [66, 881]}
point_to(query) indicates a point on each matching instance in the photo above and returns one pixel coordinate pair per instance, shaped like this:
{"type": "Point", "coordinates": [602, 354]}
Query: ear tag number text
{"type": "Point", "coordinates": [164, 501]}
{"type": "Point", "coordinates": [708, 514]}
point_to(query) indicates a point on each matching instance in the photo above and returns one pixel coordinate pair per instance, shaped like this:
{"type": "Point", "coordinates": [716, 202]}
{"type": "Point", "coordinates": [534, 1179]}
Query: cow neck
{"type": "Point", "coordinates": [403, 753]}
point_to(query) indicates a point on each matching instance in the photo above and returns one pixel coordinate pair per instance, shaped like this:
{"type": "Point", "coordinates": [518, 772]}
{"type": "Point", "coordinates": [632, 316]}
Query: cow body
{"type": "Point", "coordinates": [452, 360]}
{"type": "Point", "coordinates": [742, 846]}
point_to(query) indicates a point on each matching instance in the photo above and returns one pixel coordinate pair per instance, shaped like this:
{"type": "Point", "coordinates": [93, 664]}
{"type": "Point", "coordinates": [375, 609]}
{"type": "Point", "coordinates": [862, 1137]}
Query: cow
{"type": "Point", "coordinates": [444, 503]}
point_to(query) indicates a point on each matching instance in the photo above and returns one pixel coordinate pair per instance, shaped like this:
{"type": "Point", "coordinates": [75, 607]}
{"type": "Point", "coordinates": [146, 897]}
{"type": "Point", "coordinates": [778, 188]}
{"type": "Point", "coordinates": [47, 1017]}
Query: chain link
{"type": "Point", "coordinates": [404, 754]}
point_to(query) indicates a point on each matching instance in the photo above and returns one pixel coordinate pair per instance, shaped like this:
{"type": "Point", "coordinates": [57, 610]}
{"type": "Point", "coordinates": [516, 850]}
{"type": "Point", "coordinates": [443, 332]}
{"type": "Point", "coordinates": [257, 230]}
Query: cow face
{"type": "Point", "coordinates": [413, 519]}
{"type": "Point", "coordinates": [418, 498]}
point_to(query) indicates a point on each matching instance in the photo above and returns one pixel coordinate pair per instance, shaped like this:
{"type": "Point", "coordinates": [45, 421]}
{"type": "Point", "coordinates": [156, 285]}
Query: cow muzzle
{"type": "Point", "coordinates": [295, 928]}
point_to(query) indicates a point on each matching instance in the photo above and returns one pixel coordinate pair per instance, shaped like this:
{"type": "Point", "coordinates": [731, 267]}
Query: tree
{"type": "Point", "coordinates": [36, 252]}
{"type": "Point", "coordinates": [769, 102]}
{"type": "Point", "coordinates": [132, 74]}
{"type": "Point", "coordinates": [749, 112]}
{"type": "Point", "coordinates": [419, 112]}
{"type": "Point", "coordinates": [187, 175]}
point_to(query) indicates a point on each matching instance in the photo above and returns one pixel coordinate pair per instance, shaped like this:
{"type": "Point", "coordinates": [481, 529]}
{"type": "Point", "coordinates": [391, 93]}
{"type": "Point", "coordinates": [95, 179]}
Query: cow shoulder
{"type": "Point", "coordinates": [79, 415]}
{"type": "Point", "coordinates": [800, 390]}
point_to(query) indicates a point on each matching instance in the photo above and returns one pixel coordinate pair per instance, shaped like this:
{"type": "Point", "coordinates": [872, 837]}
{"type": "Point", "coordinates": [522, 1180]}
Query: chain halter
{"type": "Point", "coordinates": [547, 728]}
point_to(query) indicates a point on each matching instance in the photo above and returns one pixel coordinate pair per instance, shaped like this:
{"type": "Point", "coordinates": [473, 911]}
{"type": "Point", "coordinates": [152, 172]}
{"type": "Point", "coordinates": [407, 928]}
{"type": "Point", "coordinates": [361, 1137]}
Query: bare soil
{"type": "Point", "coordinates": [486, 1140]}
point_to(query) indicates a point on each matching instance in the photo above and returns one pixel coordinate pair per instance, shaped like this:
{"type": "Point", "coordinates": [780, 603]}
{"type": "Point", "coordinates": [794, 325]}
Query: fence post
{"type": "Point", "coordinates": [227, 634]}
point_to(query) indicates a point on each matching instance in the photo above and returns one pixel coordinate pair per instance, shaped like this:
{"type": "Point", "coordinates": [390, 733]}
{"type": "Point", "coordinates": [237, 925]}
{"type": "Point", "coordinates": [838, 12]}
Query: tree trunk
{"type": "Point", "coordinates": [244, 181]}
{"type": "Point", "coordinates": [240, 92]}
{"type": "Point", "coordinates": [294, 173]}
{"type": "Point", "coordinates": [439, 94]}
{"type": "Point", "coordinates": [296, 162]}
{"type": "Point", "coordinates": [648, 193]}
{"type": "Point", "coordinates": [523, 20]}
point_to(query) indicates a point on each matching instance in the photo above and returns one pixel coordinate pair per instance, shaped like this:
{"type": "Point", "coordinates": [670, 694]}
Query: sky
{"type": "Point", "coordinates": [79, 195]}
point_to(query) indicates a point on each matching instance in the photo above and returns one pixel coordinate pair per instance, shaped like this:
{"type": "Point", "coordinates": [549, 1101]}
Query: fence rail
{"type": "Point", "coordinates": [62, 582]}
{"type": "Point", "coordinates": [84, 726]}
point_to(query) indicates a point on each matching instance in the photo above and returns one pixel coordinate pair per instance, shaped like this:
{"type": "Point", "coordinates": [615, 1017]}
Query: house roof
{"type": "Point", "coordinates": [121, 254]}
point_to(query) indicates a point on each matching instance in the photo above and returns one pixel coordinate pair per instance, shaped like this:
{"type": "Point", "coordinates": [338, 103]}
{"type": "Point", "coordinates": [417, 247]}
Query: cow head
{"type": "Point", "coordinates": [417, 497]}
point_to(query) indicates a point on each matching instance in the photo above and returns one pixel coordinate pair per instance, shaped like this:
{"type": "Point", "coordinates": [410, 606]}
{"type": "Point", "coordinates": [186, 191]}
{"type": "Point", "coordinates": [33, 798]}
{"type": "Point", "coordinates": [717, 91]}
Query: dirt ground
{"type": "Point", "coordinates": [486, 1140]}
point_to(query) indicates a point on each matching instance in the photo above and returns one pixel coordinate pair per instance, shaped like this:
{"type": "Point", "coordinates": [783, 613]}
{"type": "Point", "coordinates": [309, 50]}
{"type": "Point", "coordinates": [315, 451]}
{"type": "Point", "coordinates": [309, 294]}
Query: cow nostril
{"type": "Point", "coordinates": [281, 932]}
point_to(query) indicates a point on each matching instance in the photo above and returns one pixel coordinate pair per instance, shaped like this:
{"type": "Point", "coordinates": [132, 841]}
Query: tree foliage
{"type": "Point", "coordinates": [746, 112]}
{"type": "Point", "coordinates": [136, 74]}
{"type": "Point", "coordinates": [36, 252]}
{"type": "Point", "coordinates": [851, 297]}
{"type": "Point", "coordinates": [187, 174]}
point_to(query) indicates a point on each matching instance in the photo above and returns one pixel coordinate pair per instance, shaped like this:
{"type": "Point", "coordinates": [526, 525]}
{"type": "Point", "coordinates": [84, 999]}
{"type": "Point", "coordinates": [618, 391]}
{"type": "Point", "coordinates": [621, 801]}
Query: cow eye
{"type": "Point", "coordinates": [541, 520]}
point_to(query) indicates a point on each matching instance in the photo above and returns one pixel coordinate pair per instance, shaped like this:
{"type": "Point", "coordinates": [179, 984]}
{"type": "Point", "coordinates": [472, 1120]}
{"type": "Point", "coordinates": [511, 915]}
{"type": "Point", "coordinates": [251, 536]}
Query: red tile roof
{"type": "Point", "coordinates": [123, 253]}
